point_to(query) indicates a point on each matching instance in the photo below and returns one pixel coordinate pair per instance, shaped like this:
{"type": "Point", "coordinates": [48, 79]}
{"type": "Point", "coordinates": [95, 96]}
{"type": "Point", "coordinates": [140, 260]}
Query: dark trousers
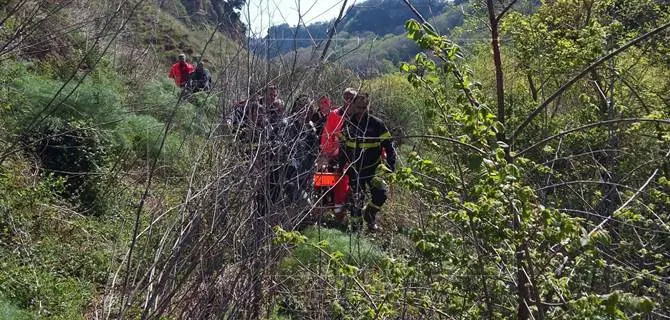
{"type": "Point", "coordinates": [367, 180]}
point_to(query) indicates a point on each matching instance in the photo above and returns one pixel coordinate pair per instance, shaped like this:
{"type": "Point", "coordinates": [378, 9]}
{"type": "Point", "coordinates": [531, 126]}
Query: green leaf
{"type": "Point", "coordinates": [475, 161]}
{"type": "Point", "coordinates": [611, 300]}
{"type": "Point", "coordinates": [646, 305]}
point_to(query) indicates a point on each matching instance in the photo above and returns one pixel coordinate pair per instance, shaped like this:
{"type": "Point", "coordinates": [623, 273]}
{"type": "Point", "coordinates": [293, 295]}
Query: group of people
{"type": "Point", "coordinates": [346, 139]}
{"type": "Point", "coordinates": [191, 78]}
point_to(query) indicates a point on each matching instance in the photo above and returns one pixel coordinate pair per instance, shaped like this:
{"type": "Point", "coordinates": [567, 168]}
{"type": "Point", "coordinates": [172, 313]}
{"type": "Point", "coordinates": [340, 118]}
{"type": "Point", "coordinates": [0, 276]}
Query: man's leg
{"type": "Point", "coordinates": [340, 194]}
{"type": "Point", "coordinates": [379, 194]}
{"type": "Point", "coordinates": [357, 187]}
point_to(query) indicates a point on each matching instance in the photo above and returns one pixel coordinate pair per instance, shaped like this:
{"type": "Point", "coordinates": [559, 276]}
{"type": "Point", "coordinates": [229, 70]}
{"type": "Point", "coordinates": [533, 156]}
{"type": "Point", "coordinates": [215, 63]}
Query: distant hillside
{"type": "Point", "coordinates": [376, 17]}
{"type": "Point", "coordinates": [154, 31]}
{"type": "Point", "coordinates": [383, 17]}
{"type": "Point", "coordinates": [371, 50]}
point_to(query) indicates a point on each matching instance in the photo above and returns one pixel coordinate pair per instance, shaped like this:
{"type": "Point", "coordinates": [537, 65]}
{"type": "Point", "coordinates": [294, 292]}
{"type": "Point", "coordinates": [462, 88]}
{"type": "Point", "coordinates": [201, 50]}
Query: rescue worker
{"type": "Point", "coordinates": [247, 117]}
{"type": "Point", "coordinates": [286, 157]}
{"type": "Point", "coordinates": [330, 147]}
{"type": "Point", "coordinates": [300, 140]}
{"type": "Point", "coordinates": [364, 139]}
{"type": "Point", "coordinates": [324, 108]}
{"type": "Point", "coordinates": [180, 71]}
{"type": "Point", "coordinates": [201, 79]}
{"type": "Point", "coordinates": [274, 107]}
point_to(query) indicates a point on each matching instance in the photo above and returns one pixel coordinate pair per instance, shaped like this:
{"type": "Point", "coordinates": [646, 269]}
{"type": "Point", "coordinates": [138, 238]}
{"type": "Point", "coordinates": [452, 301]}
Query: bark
{"type": "Point", "coordinates": [497, 61]}
{"type": "Point", "coordinates": [523, 283]}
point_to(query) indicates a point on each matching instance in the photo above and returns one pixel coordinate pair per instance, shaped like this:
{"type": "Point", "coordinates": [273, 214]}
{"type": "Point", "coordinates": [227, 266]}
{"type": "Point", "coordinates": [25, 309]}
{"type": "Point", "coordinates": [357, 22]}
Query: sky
{"type": "Point", "coordinates": [260, 14]}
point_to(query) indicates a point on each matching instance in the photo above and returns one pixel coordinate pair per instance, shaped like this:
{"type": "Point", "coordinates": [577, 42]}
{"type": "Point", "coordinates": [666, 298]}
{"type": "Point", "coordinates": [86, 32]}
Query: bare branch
{"type": "Point", "coordinates": [588, 126]}
{"type": "Point", "coordinates": [576, 78]}
{"type": "Point", "coordinates": [504, 11]}
{"type": "Point", "coordinates": [332, 31]}
{"type": "Point", "coordinates": [623, 206]}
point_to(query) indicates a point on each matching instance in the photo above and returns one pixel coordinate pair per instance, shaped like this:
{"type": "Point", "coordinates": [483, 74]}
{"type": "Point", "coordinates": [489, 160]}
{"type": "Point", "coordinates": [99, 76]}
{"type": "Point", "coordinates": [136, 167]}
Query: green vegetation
{"type": "Point", "coordinates": [357, 249]}
{"type": "Point", "coordinates": [533, 183]}
{"type": "Point", "coordinates": [63, 201]}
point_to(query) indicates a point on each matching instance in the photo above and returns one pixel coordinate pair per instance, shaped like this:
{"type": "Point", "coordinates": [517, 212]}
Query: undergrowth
{"type": "Point", "coordinates": [65, 203]}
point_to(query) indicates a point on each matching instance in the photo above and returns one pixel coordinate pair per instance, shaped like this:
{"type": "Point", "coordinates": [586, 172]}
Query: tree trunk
{"type": "Point", "coordinates": [500, 87]}
{"type": "Point", "coordinates": [523, 291]}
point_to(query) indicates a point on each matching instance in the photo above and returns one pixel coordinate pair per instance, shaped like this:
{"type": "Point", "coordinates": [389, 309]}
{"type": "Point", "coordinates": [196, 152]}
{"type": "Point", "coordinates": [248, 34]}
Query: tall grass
{"type": "Point", "coordinates": [358, 250]}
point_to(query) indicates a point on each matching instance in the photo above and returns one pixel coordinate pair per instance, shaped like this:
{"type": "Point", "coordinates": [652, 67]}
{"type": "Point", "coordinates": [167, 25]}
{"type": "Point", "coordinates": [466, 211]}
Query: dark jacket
{"type": "Point", "coordinates": [294, 155]}
{"type": "Point", "coordinates": [362, 142]}
{"type": "Point", "coordinates": [300, 138]}
{"type": "Point", "coordinates": [247, 116]}
{"type": "Point", "coordinates": [273, 110]}
{"type": "Point", "coordinates": [201, 80]}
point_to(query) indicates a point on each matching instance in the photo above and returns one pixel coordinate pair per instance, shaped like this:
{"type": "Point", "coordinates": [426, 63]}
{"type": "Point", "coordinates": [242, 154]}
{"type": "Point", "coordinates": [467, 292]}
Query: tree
{"type": "Point", "coordinates": [511, 206]}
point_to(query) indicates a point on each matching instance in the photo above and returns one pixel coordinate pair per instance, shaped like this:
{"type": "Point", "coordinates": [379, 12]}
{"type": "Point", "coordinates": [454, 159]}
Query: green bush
{"type": "Point", "coordinates": [40, 290]}
{"type": "Point", "coordinates": [61, 259]}
{"type": "Point", "coordinates": [142, 134]}
{"type": "Point", "coordinates": [11, 312]}
{"type": "Point", "coordinates": [75, 151]}
{"type": "Point", "coordinates": [156, 98]}
{"type": "Point", "coordinates": [160, 99]}
{"type": "Point", "coordinates": [99, 104]}
{"type": "Point", "coordinates": [398, 103]}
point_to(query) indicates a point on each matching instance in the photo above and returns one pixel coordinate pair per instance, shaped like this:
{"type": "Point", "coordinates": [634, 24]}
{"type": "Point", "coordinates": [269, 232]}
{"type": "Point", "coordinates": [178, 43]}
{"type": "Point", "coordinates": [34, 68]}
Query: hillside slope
{"type": "Point", "coordinates": [372, 17]}
{"type": "Point", "coordinates": [367, 53]}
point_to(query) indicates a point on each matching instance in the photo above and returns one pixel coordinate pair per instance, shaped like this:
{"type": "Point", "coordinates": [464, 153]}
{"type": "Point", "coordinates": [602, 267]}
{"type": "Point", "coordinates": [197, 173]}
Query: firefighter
{"type": "Point", "coordinates": [363, 140]}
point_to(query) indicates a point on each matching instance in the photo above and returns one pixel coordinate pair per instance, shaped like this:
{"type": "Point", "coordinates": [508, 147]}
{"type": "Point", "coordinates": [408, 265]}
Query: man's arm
{"type": "Point", "coordinates": [330, 135]}
{"type": "Point", "coordinates": [172, 73]}
{"type": "Point", "coordinates": [387, 146]}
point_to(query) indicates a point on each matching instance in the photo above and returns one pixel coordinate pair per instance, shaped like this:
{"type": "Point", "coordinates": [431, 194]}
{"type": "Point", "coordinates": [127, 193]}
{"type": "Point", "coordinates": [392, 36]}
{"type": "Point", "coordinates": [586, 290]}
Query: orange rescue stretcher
{"type": "Point", "coordinates": [325, 179]}
{"type": "Point", "coordinates": [324, 182]}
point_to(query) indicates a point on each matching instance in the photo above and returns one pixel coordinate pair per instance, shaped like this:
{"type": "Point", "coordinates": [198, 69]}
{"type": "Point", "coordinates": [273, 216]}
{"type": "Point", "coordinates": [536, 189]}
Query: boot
{"type": "Point", "coordinates": [356, 221]}
{"type": "Point", "coordinates": [370, 216]}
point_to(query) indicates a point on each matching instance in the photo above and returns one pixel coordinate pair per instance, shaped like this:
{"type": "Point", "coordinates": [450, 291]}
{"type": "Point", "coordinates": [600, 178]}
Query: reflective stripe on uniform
{"type": "Point", "coordinates": [370, 204]}
{"type": "Point", "coordinates": [385, 136]}
{"type": "Point", "coordinates": [378, 183]}
{"type": "Point", "coordinates": [362, 145]}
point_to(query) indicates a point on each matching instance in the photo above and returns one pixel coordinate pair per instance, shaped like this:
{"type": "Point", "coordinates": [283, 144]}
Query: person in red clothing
{"type": "Point", "coordinates": [330, 147]}
{"type": "Point", "coordinates": [180, 71]}
{"type": "Point", "coordinates": [330, 144]}
{"type": "Point", "coordinates": [320, 116]}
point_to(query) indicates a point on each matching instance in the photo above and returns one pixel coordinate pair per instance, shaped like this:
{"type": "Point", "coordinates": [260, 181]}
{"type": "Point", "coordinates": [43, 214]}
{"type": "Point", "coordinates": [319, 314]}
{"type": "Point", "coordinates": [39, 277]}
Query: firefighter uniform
{"type": "Point", "coordinates": [363, 142]}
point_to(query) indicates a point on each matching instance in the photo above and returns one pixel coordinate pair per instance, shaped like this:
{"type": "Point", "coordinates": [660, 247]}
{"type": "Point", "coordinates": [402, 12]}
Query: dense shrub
{"type": "Point", "coordinates": [98, 104]}
{"type": "Point", "coordinates": [75, 151]}
{"type": "Point", "coordinates": [142, 135]}
{"type": "Point", "coordinates": [62, 257]}
{"type": "Point", "coordinates": [397, 102]}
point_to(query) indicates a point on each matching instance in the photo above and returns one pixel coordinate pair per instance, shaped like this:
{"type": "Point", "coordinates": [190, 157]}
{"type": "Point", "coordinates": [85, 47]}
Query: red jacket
{"type": "Point", "coordinates": [180, 73]}
{"type": "Point", "coordinates": [330, 143]}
